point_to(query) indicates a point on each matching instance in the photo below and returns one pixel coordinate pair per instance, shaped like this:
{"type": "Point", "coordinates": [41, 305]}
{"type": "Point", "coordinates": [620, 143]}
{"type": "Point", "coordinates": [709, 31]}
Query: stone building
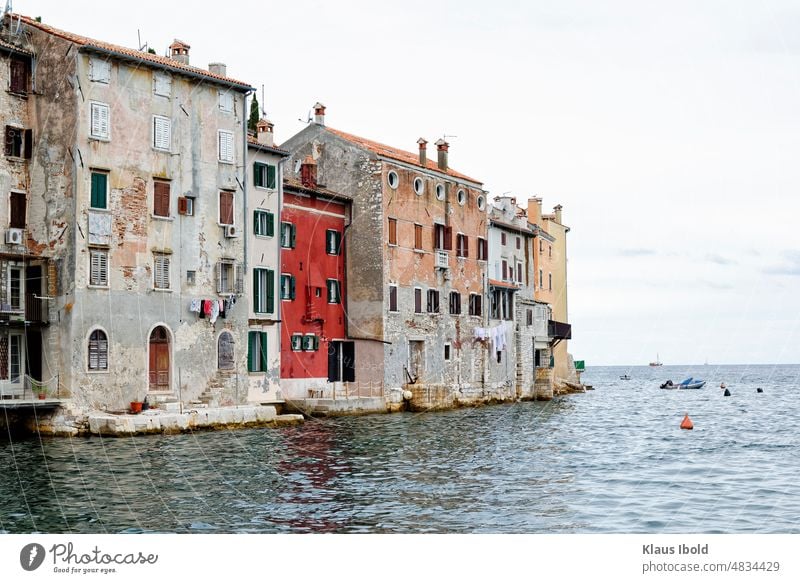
{"type": "Point", "coordinates": [416, 264]}
{"type": "Point", "coordinates": [135, 197]}
{"type": "Point", "coordinates": [262, 261]}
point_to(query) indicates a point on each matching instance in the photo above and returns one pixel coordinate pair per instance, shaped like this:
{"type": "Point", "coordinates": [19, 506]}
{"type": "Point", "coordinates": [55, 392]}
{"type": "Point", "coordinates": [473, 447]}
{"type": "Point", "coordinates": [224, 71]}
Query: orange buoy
{"type": "Point", "coordinates": [687, 423]}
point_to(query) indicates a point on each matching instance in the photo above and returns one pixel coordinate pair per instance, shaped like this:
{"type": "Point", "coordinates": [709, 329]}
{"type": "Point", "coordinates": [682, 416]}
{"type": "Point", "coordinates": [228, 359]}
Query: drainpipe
{"type": "Point", "coordinates": [278, 264]}
{"type": "Point", "coordinates": [245, 152]}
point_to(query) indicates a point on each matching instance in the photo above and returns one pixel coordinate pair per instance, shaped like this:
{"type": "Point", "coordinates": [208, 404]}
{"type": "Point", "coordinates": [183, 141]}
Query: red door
{"type": "Point", "coordinates": [159, 360]}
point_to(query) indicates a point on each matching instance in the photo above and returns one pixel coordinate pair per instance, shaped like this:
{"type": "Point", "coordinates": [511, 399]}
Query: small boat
{"type": "Point", "coordinates": [689, 383]}
{"type": "Point", "coordinates": [657, 362]}
{"type": "Point", "coordinates": [697, 384]}
{"type": "Point", "coordinates": [625, 377]}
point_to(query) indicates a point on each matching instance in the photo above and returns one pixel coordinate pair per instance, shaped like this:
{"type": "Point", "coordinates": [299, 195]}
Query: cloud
{"type": "Point", "coordinates": [790, 265]}
{"type": "Point", "coordinates": [636, 252]}
{"type": "Point", "coordinates": [719, 259]}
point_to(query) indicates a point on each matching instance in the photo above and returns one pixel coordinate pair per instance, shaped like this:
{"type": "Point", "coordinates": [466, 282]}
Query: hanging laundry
{"type": "Point", "coordinates": [194, 306]}
{"type": "Point", "coordinates": [207, 307]}
{"type": "Point", "coordinates": [202, 309]}
{"type": "Point", "coordinates": [222, 309]}
{"type": "Point", "coordinates": [214, 311]}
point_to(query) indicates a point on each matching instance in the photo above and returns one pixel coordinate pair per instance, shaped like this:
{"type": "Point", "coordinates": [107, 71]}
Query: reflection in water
{"type": "Point", "coordinates": [612, 460]}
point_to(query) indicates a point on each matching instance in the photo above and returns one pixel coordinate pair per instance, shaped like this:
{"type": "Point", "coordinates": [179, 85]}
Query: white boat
{"type": "Point", "coordinates": [657, 362]}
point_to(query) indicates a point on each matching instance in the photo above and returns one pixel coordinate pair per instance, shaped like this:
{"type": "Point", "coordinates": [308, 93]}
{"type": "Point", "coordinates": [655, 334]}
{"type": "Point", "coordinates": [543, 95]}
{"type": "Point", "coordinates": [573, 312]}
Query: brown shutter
{"type": "Point", "coordinates": [393, 231]}
{"type": "Point", "coordinates": [417, 236]}
{"type": "Point", "coordinates": [28, 144]}
{"type": "Point", "coordinates": [226, 207]}
{"type": "Point", "coordinates": [9, 140]}
{"type": "Point", "coordinates": [18, 207]}
{"type": "Point", "coordinates": [161, 199]}
{"type": "Point", "coordinates": [466, 246]}
{"type": "Point", "coordinates": [448, 238]}
{"type": "Point", "coordinates": [182, 205]}
{"type": "Point", "coordinates": [19, 76]}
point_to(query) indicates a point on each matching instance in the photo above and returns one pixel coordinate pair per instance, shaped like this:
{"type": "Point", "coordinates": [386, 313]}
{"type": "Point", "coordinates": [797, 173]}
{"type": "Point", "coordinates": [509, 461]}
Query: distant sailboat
{"type": "Point", "coordinates": [657, 361]}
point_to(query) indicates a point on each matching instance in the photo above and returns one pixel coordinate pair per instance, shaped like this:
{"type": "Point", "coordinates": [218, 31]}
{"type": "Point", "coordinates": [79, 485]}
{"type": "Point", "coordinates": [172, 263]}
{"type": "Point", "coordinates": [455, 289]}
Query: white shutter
{"type": "Point", "coordinates": [98, 268]}
{"type": "Point", "coordinates": [161, 275]}
{"type": "Point", "coordinates": [102, 353]}
{"type": "Point", "coordinates": [100, 121]}
{"type": "Point", "coordinates": [99, 70]}
{"type": "Point", "coordinates": [225, 146]}
{"type": "Point", "coordinates": [162, 84]}
{"type": "Point", "coordinates": [226, 101]}
{"type": "Point", "coordinates": [162, 132]}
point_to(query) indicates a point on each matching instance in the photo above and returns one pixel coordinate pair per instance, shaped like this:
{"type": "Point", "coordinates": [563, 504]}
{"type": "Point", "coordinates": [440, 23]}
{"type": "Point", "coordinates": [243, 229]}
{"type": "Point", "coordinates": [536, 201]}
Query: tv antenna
{"type": "Point", "coordinates": [142, 47]}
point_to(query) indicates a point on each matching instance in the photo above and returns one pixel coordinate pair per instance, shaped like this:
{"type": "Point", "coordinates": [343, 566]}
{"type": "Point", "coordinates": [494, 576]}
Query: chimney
{"type": "Point", "coordinates": [179, 51]}
{"type": "Point", "coordinates": [308, 172]}
{"type": "Point", "coordinates": [423, 152]}
{"type": "Point", "coordinates": [220, 69]}
{"type": "Point", "coordinates": [557, 212]}
{"type": "Point", "coordinates": [319, 113]}
{"type": "Point", "coordinates": [264, 132]}
{"type": "Point", "coordinates": [442, 147]}
{"type": "Point", "coordinates": [535, 210]}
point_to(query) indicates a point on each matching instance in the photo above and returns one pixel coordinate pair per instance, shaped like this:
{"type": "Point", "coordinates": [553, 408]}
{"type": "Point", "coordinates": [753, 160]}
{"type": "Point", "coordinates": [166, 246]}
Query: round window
{"type": "Point", "coordinates": [419, 186]}
{"type": "Point", "coordinates": [462, 196]}
{"type": "Point", "coordinates": [393, 179]}
{"type": "Point", "coordinates": [481, 203]}
{"type": "Point", "coordinates": [440, 191]}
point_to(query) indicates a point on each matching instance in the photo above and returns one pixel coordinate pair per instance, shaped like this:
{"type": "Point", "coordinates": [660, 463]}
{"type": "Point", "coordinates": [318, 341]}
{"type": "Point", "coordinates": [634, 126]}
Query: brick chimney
{"type": "Point", "coordinates": [423, 152]}
{"type": "Point", "coordinates": [308, 172]}
{"type": "Point", "coordinates": [319, 113]}
{"type": "Point", "coordinates": [535, 210]}
{"type": "Point", "coordinates": [264, 133]}
{"type": "Point", "coordinates": [441, 150]}
{"type": "Point", "coordinates": [179, 51]}
{"type": "Point", "coordinates": [220, 69]}
{"type": "Point", "coordinates": [557, 212]}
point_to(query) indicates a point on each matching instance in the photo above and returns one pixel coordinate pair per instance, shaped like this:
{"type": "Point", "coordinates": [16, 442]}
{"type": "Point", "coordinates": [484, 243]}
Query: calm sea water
{"type": "Point", "coordinates": [611, 460]}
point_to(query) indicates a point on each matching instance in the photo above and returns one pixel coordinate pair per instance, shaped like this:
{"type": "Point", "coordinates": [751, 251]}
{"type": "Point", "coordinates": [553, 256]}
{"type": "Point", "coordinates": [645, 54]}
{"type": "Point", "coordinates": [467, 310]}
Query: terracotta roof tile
{"type": "Point", "coordinates": [10, 47]}
{"type": "Point", "coordinates": [505, 284]}
{"type": "Point", "coordinates": [156, 60]}
{"type": "Point", "coordinates": [396, 154]}
{"type": "Point", "coordinates": [295, 184]}
{"type": "Point", "coordinates": [256, 144]}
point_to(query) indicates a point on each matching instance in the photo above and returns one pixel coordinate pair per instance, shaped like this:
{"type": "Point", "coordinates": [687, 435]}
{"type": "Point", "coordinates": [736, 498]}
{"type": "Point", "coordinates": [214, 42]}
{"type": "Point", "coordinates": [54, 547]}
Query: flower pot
{"type": "Point", "coordinates": [136, 406]}
{"type": "Point", "coordinates": [42, 396]}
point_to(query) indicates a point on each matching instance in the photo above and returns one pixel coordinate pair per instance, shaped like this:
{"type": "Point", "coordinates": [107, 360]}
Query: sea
{"type": "Point", "coordinates": [611, 460]}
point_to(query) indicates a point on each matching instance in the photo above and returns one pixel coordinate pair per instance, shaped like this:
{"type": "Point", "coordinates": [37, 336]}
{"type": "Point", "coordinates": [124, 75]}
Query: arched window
{"type": "Point", "coordinates": [225, 351]}
{"type": "Point", "coordinates": [98, 350]}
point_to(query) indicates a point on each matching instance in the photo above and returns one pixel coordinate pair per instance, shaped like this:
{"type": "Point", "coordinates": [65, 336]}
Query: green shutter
{"type": "Point", "coordinates": [258, 176]}
{"type": "Point", "coordinates": [263, 351]}
{"type": "Point", "coordinates": [292, 236]}
{"type": "Point", "coordinates": [255, 223]}
{"type": "Point", "coordinates": [315, 340]}
{"type": "Point", "coordinates": [251, 351]}
{"type": "Point", "coordinates": [271, 176]}
{"type": "Point", "coordinates": [270, 225]}
{"type": "Point", "coordinates": [338, 238]}
{"type": "Point", "coordinates": [291, 290]}
{"type": "Point", "coordinates": [270, 291]}
{"type": "Point", "coordinates": [256, 291]}
{"type": "Point", "coordinates": [99, 190]}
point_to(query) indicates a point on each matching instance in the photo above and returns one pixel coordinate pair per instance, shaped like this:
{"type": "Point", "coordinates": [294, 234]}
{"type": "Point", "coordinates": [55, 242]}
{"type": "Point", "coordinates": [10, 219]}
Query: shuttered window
{"type": "Point", "coordinates": [256, 351]}
{"type": "Point", "coordinates": [263, 291]}
{"type": "Point", "coordinates": [392, 298]}
{"type": "Point", "coordinates": [226, 101]}
{"type": "Point", "coordinates": [462, 245]}
{"type": "Point", "coordinates": [98, 350]}
{"type": "Point", "coordinates": [264, 175]}
{"type": "Point", "coordinates": [161, 198]}
{"type": "Point", "coordinates": [99, 70]}
{"type": "Point", "coordinates": [18, 209]}
{"type": "Point", "coordinates": [333, 242]}
{"type": "Point", "coordinates": [392, 231]}
{"type": "Point", "coordinates": [99, 197]}
{"type": "Point", "coordinates": [225, 207]}
{"type": "Point", "coordinates": [264, 223]}
{"type": "Point", "coordinates": [225, 356]}
{"type": "Point", "coordinates": [100, 121]}
{"type": "Point", "coordinates": [161, 271]}
{"type": "Point", "coordinates": [455, 303]}
{"type": "Point", "coordinates": [13, 141]}
{"type": "Point", "coordinates": [162, 132]}
{"type": "Point", "coordinates": [433, 301]}
{"type": "Point", "coordinates": [225, 146]}
{"type": "Point", "coordinates": [417, 300]}
{"type": "Point", "coordinates": [334, 292]}
{"type": "Point", "coordinates": [482, 249]}
{"type": "Point", "coordinates": [19, 76]}
{"type": "Point", "coordinates": [310, 342]}
{"type": "Point", "coordinates": [162, 84]}
{"type": "Point", "coordinates": [288, 235]}
{"type": "Point", "coordinates": [287, 287]}
{"type": "Point", "coordinates": [230, 277]}
{"type": "Point", "coordinates": [417, 236]}
{"type": "Point", "coordinates": [98, 267]}
{"type": "Point", "coordinates": [475, 304]}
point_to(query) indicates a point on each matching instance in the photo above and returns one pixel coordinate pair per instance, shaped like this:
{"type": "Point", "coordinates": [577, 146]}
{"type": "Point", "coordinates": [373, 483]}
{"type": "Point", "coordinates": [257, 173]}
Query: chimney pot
{"type": "Point", "coordinates": [220, 69]}
{"type": "Point", "coordinates": [441, 149]}
{"type": "Point", "coordinates": [264, 133]}
{"type": "Point", "coordinates": [423, 152]}
{"type": "Point", "coordinates": [308, 172]}
{"type": "Point", "coordinates": [179, 51]}
{"type": "Point", "coordinates": [319, 113]}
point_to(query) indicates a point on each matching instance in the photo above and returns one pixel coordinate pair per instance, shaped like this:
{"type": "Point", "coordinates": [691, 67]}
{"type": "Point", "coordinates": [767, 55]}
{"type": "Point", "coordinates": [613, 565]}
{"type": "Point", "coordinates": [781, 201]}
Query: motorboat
{"type": "Point", "coordinates": [657, 361]}
{"type": "Point", "coordinates": [625, 377]}
{"type": "Point", "coordinates": [689, 383]}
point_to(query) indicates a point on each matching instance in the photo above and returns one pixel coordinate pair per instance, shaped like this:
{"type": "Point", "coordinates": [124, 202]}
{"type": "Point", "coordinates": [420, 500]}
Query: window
{"type": "Point", "coordinates": [15, 288]}
{"type": "Point", "coordinates": [550, 281]}
{"type": "Point", "coordinates": [15, 356]}
{"type": "Point", "coordinates": [519, 272]}
{"type": "Point", "coordinates": [392, 179]}
{"type": "Point", "coordinates": [225, 351]}
{"type": "Point", "coordinates": [433, 301]}
{"type": "Point", "coordinates": [447, 352]}
{"type": "Point", "coordinates": [257, 351]}
{"type": "Point", "coordinates": [162, 133]}
{"type": "Point", "coordinates": [226, 101]}
{"type": "Point", "coordinates": [502, 307]}
{"type": "Point", "coordinates": [20, 74]}
{"type": "Point", "coordinates": [550, 250]}
{"type": "Point", "coordinates": [263, 291]}
{"type": "Point", "coordinates": [440, 191]}
{"type": "Point", "coordinates": [419, 185]}
{"type": "Point", "coordinates": [483, 249]}
{"type": "Point", "coordinates": [481, 203]}
{"type": "Point", "coordinates": [230, 277]}
{"type": "Point", "coordinates": [160, 198]}
{"type": "Point", "coordinates": [333, 242]}
{"type": "Point", "coordinates": [161, 271]}
{"type": "Point", "coordinates": [99, 70]}
{"type": "Point", "coordinates": [541, 282]}
{"type": "Point", "coordinates": [225, 207]}
{"type": "Point", "coordinates": [334, 291]}
{"type": "Point", "coordinates": [100, 121]}
{"type": "Point", "coordinates": [417, 236]}
{"type": "Point", "coordinates": [99, 196]}
{"type": "Point", "coordinates": [186, 205]}
{"type": "Point", "coordinates": [462, 197]}
{"type": "Point", "coordinates": [442, 237]}
{"type": "Point", "coordinates": [263, 223]}
{"type": "Point", "coordinates": [98, 267]}
{"type": "Point", "coordinates": [190, 277]}
{"type": "Point", "coordinates": [310, 342]}
{"type": "Point", "coordinates": [392, 231]}
{"type": "Point", "coordinates": [341, 361]}
{"type": "Point", "coordinates": [541, 246]}
{"type": "Point", "coordinates": [455, 303]}
{"type": "Point", "coordinates": [264, 175]}
{"type": "Point", "coordinates": [417, 300]}
{"type": "Point", "coordinates": [505, 270]}
{"type": "Point", "coordinates": [392, 298]}
{"type": "Point", "coordinates": [502, 238]}
{"type": "Point", "coordinates": [162, 84]}
{"type": "Point", "coordinates": [462, 245]}
{"type": "Point", "coordinates": [287, 287]}
{"type": "Point", "coordinates": [18, 207]}
{"type": "Point", "coordinates": [475, 304]}
{"type": "Point", "coordinates": [19, 142]}
{"type": "Point", "coordinates": [530, 317]}
{"type": "Point", "coordinates": [297, 342]}
{"type": "Point", "coordinates": [519, 243]}
{"type": "Point", "coordinates": [98, 350]}
{"type": "Point", "coordinates": [225, 139]}
{"type": "Point", "coordinates": [288, 235]}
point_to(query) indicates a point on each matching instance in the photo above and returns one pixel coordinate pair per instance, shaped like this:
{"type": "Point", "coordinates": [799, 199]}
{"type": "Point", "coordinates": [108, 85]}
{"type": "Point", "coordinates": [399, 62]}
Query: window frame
{"type": "Point", "coordinates": [222, 147]}
{"type": "Point", "coordinates": [165, 267]}
{"type": "Point", "coordinates": [418, 300]}
{"type": "Point", "coordinates": [259, 340]}
{"type": "Point", "coordinates": [159, 184]}
{"type": "Point", "coordinates": [394, 304]}
{"type": "Point", "coordinates": [291, 291]}
{"type": "Point", "coordinates": [475, 304]}
{"type": "Point", "coordinates": [391, 236]}
{"type": "Point", "coordinates": [105, 174]}
{"type": "Point", "coordinates": [268, 219]}
{"type": "Point", "coordinates": [100, 282]}
{"type": "Point", "coordinates": [261, 174]}
{"type": "Point", "coordinates": [232, 366]}
{"type": "Point", "coordinates": [288, 227]}
{"type": "Point", "coordinates": [89, 350]}
{"type": "Point", "coordinates": [334, 284]}
{"type": "Point", "coordinates": [433, 305]}
{"type": "Point", "coordinates": [337, 240]}
{"type": "Point", "coordinates": [14, 221]}
{"type": "Point", "coordinates": [296, 342]}
{"type": "Point", "coordinates": [92, 73]}
{"type": "Point", "coordinates": [99, 106]}
{"type": "Point", "coordinates": [454, 302]}
{"type": "Point", "coordinates": [262, 277]}
{"type": "Point", "coordinates": [232, 194]}
{"type": "Point", "coordinates": [166, 128]}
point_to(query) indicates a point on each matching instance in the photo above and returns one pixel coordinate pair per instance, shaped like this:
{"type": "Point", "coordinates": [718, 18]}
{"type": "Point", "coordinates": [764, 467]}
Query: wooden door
{"type": "Point", "coordinates": [159, 360]}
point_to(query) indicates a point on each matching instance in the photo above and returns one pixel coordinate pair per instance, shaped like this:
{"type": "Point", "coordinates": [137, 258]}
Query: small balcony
{"type": "Point", "coordinates": [34, 311]}
{"type": "Point", "coordinates": [559, 330]}
{"type": "Point", "coordinates": [442, 259]}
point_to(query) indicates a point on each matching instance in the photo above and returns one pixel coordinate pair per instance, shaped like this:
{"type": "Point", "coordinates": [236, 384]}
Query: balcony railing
{"type": "Point", "coordinates": [559, 330]}
{"type": "Point", "coordinates": [35, 309]}
{"type": "Point", "coordinates": [442, 259]}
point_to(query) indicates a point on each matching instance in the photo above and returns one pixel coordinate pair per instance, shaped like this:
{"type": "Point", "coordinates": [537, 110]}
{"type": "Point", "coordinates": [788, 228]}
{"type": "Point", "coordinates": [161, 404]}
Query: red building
{"type": "Point", "coordinates": [315, 353]}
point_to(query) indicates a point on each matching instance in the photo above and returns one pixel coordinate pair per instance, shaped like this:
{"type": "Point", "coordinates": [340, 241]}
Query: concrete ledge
{"type": "Point", "coordinates": [341, 407]}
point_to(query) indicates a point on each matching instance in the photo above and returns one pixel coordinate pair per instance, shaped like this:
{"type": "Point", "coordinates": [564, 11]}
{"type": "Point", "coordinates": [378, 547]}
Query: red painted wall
{"type": "Point", "coordinates": [310, 264]}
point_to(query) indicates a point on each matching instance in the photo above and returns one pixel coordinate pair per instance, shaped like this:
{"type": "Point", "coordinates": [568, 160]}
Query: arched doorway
{"type": "Point", "coordinates": [159, 359]}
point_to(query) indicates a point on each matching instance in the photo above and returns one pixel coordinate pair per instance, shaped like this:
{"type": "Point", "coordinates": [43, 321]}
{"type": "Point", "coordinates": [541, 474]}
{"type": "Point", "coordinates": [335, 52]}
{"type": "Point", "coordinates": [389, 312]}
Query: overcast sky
{"type": "Point", "coordinates": [668, 131]}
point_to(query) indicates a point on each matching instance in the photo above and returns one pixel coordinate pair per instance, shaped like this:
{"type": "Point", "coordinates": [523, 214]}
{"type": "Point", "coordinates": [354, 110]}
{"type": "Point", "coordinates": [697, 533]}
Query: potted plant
{"type": "Point", "coordinates": [136, 406]}
{"type": "Point", "coordinates": [39, 389]}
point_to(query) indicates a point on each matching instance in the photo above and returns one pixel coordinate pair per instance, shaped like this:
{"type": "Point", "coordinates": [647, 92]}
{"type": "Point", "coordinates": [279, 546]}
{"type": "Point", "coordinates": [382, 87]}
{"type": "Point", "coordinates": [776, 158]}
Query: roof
{"type": "Point", "coordinates": [505, 284]}
{"type": "Point", "coordinates": [395, 154]}
{"type": "Point", "coordinates": [516, 228]}
{"type": "Point", "coordinates": [13, 48]}
{"type": "Point", "coordinates": [295, 184]}
{"type": "Point", "coordinates": [123, 52]}
{"type": "Point", "coordinates": [254, 143]}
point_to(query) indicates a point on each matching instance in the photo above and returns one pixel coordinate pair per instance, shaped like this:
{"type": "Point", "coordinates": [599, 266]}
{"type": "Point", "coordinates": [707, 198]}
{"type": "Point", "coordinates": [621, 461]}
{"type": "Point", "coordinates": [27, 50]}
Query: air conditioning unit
{"type": "Point", "coordinates": [14, 236]}
{"type": "Point", "coordinates": [231, 231]}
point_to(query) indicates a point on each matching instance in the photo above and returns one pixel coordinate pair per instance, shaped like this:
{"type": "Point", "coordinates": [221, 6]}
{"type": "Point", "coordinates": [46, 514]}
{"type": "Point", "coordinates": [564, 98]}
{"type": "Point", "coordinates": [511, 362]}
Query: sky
{"type": "Point", "coordinates": [668, 132]}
